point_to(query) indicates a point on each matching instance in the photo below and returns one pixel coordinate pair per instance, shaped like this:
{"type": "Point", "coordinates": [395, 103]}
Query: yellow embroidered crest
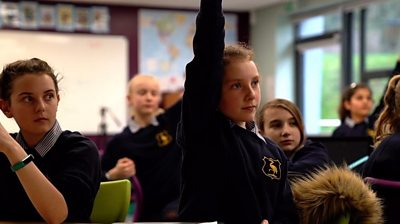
{"type": "Point", "coordinates": [163, 138]}
{"type": "Point", "coordinates": [272, 168]}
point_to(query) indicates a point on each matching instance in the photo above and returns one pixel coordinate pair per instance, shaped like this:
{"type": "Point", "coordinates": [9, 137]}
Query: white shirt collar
{"type": "Point", "coordinates": [351, 123]}
{"type": "Point", "coordinates": [135, 127]}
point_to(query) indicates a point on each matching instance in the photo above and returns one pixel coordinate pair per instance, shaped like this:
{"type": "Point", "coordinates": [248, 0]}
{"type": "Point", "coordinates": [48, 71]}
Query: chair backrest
{"type": "Point", "coordinates": [137, 198]}
{"type": "Point", "coordinates": [382, 182]}
{"type": "Point", "coordinates": [389, 192]}
{"type": "Point", "coordinates": [345, 149]}
{"type": "Point", "coordinates": [343, 219]}
{"type": "Point", "coordinates": [112, 202]}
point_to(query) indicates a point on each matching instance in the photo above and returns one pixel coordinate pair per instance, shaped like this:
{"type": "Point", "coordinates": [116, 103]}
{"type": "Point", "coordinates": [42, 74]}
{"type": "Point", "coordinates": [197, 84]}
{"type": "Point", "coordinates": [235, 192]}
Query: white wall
{"type": "Point", "coordinates": [272, 40]}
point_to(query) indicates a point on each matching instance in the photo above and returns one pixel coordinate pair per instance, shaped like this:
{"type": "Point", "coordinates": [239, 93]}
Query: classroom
{"type": "Point", "coordinates": [306, 51]}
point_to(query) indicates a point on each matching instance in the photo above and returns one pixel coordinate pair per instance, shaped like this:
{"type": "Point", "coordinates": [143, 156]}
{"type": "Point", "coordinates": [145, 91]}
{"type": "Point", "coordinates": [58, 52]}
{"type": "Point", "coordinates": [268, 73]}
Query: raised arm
{"type": "Point", "coordinates": [204, 73]}
{"type": "Point", "coordinates": [45, 197]}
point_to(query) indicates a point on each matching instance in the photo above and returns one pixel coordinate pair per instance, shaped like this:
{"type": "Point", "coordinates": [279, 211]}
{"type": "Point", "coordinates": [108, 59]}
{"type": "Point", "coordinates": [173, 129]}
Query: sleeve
{"type": "Point", "coordinates": [78, 177]}
{"type": "Point", "coordinates": [384, 160]}
{"type": "Point", "coordinates": [110, 157]}
{"type": "Point", "coordinates": [204, 73]}
{"type": "Point", "coordinates": [173, 114]}
{"type": "Point", "coordinates": [312, 156]}
{"type": "Point", "coordinates": [286, 212]}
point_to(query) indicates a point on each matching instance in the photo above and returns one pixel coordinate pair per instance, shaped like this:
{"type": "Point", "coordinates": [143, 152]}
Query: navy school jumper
{"type": "Point", "coordinates": [229, 174]}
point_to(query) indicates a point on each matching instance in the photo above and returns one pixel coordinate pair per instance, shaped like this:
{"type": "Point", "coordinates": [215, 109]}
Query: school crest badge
{"type": "Point", "coordinates": [271, 168]}
{"type": "Point", "coordinates": [163, 138]}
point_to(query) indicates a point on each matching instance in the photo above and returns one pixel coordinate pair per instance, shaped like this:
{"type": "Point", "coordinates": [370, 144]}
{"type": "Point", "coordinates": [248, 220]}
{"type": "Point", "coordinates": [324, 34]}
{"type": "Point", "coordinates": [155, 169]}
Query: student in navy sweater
{"type": "Point", "coordinates": [384, 161]}
{"type": "Point", "coordinates": [354, 111]}
{"type": "Point", "coordinates": [281, 121]}
{"type": "Point", "coordinates": [230, 172]}
{"type": "Point", "coordinates": [55, 174]}
{"type": "Point", "coordinates": [355, 107]}
{"type": "Point", "coordinates": [147, 148]}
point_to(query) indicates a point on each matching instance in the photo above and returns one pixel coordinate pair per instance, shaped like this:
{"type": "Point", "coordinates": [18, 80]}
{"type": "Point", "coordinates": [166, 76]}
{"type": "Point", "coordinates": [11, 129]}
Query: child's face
{"type": "Point", "coordinates": [360, 103]}
{"type": "Point", "coordinates": [240, 91]}
{"type": "Point", "coordinates": [145, 96]}
{"type": "Point", "coordinates": [282, 128]}
{"type": "Point", "coordinates": [33, 104]}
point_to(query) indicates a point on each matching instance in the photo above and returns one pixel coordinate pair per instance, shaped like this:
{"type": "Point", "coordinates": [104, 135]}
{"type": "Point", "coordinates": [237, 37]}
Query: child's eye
{"type": "Point", "coordinates": [275, 125]}
{"type": "Point", "coordinates": [154, 93]}
{"type": "Point", "coordinates": [49, 96]}
{"type": "Point", "coordinates": [255, 82]}
{"type": "Point", "coordinates": [27, 99]}
{"type": "Point", "coordinates": [141, 92]}
{"type": "Point", "coordinates": [236, 85]}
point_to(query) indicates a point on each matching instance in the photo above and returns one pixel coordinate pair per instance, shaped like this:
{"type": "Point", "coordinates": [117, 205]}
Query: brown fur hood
{"type": "Point", "coordinates": [331, 192]}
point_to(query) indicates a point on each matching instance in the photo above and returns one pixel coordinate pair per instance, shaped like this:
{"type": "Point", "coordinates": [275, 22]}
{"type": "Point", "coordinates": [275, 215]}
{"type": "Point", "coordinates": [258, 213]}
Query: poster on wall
{"type": "Point", "coordinates": [65, 17]}
{"type": "Point", "coordinates": [82, 19]}
{"type": "Point", "coordinates": [165, 44]}
{"type": "Point", "coordinates": [29, 15]}
{"type": "Point", "coordinates": [47, 16]}
{"type": "Point", "coordinates": [100, 21]}
{"type": "Point", "coordinates": [10, 14]}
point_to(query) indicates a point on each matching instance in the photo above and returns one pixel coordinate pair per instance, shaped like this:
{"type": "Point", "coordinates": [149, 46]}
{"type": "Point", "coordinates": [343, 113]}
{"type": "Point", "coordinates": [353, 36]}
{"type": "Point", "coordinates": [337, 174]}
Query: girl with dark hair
{"type": "Point", "coordinates": [46, 174]}
{"type": "Point", "coordinates": [354, 110]}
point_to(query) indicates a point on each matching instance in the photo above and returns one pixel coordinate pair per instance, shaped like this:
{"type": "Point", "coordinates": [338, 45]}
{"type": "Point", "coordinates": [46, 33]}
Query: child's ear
{"type": "Point", "coordinates": [5, 107]}
{"type": "Point", "coordinates": [347, 105]}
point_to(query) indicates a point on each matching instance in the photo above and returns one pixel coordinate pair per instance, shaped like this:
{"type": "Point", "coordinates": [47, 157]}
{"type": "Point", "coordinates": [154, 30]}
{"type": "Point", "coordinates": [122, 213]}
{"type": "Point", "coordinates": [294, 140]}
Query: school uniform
{"type": "Point", "coordinates": [348, 128]}
{"type": "Point", "coordinates": [307, 159]}
{"type": "Point", "coordinates": [384, 163]}
{"type": "Point", "coordinates": [229, 174]}
{"type": "Point", "coordinates": [71, 163]}
{"type": "Point", "coordinates": [157, 159]}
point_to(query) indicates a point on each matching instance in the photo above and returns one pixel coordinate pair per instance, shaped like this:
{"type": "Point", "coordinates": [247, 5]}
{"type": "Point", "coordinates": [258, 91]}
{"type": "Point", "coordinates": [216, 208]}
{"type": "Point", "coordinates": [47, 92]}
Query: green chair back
{"type": "Point", "coordinates": [343, 219]}
{"type": "Point", "coordinates": [112, 202]}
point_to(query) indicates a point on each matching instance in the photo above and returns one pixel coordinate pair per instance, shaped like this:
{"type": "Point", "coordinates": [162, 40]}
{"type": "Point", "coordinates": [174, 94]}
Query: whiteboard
{"type": "Point", "coordinates": [94, 71]}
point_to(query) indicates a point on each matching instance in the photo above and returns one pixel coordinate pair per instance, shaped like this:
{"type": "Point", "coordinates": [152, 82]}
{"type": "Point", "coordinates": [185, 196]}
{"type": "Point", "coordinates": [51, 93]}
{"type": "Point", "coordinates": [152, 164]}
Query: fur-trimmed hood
{"type": "Point", "coordinates": [333, 191]}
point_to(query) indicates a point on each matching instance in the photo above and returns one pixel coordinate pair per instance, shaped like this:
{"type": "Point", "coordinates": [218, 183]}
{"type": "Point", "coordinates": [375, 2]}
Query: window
{"type": "Point", "coordinates": [318, 49]}
{"type": "Point", "coordinates": [321, 79]}
{"type": "Point", "coordinates": [319, 25]}
{"type": "Point", "coordinates": [337, 44]}
{"type": "Point", "coordinates": [382, 35]}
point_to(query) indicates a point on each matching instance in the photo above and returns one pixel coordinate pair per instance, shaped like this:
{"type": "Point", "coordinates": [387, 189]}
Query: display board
{"type": "Point", "coordinates": [93, 73]}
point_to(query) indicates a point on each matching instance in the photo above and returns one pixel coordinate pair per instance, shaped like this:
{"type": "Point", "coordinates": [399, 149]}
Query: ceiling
{"type": "Point", "coordinates": [229, 5]}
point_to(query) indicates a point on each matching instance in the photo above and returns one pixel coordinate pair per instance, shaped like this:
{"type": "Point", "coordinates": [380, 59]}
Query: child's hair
{"type": "Point", "coordinates": [240, 51]}
{"type": "Point", "coordinates": [388, 121]}
{"type": "Point", "coordinates": [19, 68]}
{"type": "Point", "coordinates": [346, 96]}
{"type": "Point", "coordinates": [141, 77]}
{"type": "Point", "coordinates": [286, 105]}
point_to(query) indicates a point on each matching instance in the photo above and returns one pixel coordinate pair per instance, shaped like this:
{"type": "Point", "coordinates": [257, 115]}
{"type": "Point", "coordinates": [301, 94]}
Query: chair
{"type": "Point", "coordinates": [136, 198]}
{"type": "Point", "coordinates": [389, 192]}
{"type": "Point", "coordinates": [112, 202]}
{"type": "Point", "coordinates": [345, 149]}
{"type": "Point", "coordinates": [343, 219]}
{"type": "Point", "coordinates": [382, 182]}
